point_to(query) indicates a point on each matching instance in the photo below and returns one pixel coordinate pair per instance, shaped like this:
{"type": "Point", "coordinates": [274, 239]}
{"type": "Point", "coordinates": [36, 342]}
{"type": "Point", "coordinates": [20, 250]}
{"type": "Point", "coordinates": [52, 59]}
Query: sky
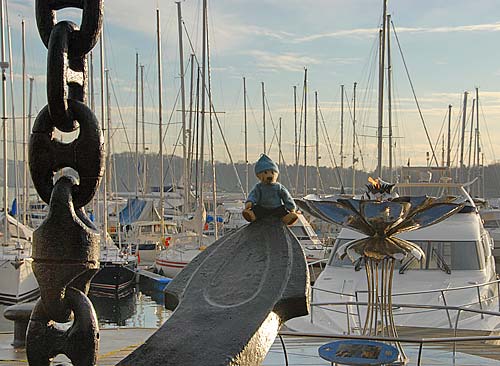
{"type": "Point", "coordinates": [449, 47]}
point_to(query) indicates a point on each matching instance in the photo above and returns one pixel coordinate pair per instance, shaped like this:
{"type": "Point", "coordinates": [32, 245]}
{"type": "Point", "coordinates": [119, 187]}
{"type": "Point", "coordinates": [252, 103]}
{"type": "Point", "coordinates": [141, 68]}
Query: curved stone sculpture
{"type": "Point", "coordinates": [231, 300]}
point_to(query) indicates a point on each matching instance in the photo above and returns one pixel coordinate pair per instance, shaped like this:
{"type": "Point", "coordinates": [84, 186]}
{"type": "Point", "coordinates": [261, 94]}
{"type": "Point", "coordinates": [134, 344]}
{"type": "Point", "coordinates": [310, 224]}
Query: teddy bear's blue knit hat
{"type": "Point", "coordinates": [265, 163]}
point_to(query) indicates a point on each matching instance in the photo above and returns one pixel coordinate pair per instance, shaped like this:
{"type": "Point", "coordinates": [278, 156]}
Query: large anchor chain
{"type": "Point", "coordinates": [66, 245]}
{"type": "Point", "coordinates": [65, 257]}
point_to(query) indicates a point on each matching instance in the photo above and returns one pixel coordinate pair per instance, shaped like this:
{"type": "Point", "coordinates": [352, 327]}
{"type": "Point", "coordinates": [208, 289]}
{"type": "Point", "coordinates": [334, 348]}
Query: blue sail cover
{"type": "Point", "coordinates": [132, 211]}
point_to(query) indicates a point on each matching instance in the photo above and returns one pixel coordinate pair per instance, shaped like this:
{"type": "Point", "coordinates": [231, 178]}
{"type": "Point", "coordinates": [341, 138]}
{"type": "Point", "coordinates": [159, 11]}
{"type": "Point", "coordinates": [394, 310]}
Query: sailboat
{"type": "Point", "coordinates": [118, 265]}
{"type": "Point", "coordinates": [183, 247]}
{"type": "Point", "coordinates": [17, 280]}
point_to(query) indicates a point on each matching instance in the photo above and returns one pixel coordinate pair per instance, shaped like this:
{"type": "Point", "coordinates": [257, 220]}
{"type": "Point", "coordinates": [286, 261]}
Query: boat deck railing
{"type": "Point", "coordinates": [417, 342]}
{"type": "Point", "coordinates": [350, 313]}
{"type": "Point", "coordinates": [316, 267]}
{"type": "Point", "coordinates": [482, 298]}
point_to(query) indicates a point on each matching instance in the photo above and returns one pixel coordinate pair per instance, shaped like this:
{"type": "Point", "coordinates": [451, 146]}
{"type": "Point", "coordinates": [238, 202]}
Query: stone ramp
{"type": "Point", "coordinates": [116, 343]}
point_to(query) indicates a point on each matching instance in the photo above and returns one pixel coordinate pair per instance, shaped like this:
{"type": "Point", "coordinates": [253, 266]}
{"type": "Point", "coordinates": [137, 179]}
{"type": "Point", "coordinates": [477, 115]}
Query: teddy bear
{"type": "Point", "coordinates": [268, 197]}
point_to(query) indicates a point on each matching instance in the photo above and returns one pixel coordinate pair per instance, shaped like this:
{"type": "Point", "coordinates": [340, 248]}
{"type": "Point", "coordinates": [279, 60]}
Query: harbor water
{"type": "Point", "coordinates": [140, 307]}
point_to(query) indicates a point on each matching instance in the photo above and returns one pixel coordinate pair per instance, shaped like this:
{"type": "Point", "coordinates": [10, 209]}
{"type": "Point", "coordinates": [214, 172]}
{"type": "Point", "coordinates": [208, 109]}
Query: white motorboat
{"type": "Point", "coordinates": [17, 280]}
{"type": "Point", "coordinates": [458, 272]}
{"type": "Point", "coordinates": [308, 239]}
{"type": "Point", "coordinates": [233, 218]}
{"type": "Point", "coordinates": [145, 238]}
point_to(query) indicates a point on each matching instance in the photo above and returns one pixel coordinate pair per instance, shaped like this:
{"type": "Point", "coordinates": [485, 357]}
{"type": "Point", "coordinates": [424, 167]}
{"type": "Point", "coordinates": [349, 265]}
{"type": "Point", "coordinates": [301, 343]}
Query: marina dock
{"type": "Point", "coordinates": [152, 280]}
{"type": "Point", "coordinates": [116, 343]}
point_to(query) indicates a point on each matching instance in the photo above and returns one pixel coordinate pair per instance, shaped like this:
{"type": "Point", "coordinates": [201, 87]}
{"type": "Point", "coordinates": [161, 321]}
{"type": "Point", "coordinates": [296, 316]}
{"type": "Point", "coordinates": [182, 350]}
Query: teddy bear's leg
{"type": "Point", "coordinates": [248, 215]}
{"type": "Point", "coordinates": [290, 218]}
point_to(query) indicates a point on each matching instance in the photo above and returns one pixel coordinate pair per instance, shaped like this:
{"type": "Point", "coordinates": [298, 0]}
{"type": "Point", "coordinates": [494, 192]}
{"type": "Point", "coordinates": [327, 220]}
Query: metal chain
{"type": "Point", "coordinates": [66, 245]}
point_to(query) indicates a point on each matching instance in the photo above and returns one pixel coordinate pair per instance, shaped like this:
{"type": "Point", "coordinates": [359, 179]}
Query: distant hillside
{"type": "Point", "coordinates": [228, 182]}
{"type": "Point", "coordinates": [124, 165]}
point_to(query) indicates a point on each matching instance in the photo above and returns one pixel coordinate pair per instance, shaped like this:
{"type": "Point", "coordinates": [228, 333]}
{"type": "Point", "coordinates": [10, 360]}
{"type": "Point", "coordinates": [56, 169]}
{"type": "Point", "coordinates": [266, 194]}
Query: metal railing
{"type": "Point", "coordinates": [347, 304]}
{"type": "Point", "coordinates": [442, 292]}
{"type": "Point", "coordinates": [321, 263]}
{"type": "Point", "coordinates": [418, 341]}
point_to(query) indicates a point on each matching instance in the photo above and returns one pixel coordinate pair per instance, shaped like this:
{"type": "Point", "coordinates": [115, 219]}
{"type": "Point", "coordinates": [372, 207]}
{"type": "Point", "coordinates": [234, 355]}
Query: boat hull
{"type": "Point", "coordinates": [114, 278]}
{"type": "Point", "coordinates": [17, 282]}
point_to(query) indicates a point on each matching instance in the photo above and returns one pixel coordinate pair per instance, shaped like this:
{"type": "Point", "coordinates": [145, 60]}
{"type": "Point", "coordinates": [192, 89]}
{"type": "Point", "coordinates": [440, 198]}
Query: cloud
{"type": "Point", "coordinates": [372, 32]}
{"type": "Point", "coordinates": [281, 61]}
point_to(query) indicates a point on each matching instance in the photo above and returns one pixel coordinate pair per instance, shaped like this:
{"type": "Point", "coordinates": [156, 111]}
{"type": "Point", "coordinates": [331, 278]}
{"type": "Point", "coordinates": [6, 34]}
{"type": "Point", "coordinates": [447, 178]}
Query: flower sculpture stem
{"type": "Point", "coordinates": [380, 222]}
{"type": "Point", "coordinates": [379, 320]}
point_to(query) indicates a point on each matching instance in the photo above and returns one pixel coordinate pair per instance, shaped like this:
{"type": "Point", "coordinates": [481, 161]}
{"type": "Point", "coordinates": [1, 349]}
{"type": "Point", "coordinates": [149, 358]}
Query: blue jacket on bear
{"type": "Point", "coordinates": [271, 196]}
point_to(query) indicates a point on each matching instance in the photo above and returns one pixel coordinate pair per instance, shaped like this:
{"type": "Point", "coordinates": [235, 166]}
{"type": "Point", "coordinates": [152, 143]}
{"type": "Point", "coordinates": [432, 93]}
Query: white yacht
{"type": "Point", "coordinates": [458, 271]}
{"type": "Point", "coordinates": [308, 239]}
{"type": "Point", "coordinates": [145, 238]}
{"type": "Point", "coordinates": [17, 280]}
{"type": "Point", "coordinates": [233, 218]}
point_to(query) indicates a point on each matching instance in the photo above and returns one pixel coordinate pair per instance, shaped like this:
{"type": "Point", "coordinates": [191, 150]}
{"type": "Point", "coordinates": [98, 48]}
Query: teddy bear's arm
{"type": "Point", "coordinates": [254, 196]}
{"type": "Point", "coordinates": [287, 199]}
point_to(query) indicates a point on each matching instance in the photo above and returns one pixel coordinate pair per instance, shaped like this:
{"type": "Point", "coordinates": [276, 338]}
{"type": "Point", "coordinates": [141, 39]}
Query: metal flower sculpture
{"type": "Point", "coordinates": [380, 221]}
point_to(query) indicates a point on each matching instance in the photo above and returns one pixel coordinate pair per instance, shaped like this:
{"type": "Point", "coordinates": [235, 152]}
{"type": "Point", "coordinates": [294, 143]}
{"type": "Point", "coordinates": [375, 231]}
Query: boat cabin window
{"type": "Point", "coordinates": [170, 229]}
{"type": "Point", "coordinates": [491, 224]}
{"type": "Point", "coordinates": [443, 255]}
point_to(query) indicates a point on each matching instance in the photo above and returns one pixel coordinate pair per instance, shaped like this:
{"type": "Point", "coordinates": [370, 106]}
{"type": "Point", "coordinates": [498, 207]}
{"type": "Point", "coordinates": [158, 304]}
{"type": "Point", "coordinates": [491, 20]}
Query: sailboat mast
{"type": "Point", "coordinates": [264, 115]}
{"type": "Point", "coordinates": [342, 128]}
{"type": "Point", "coordinates": [354, 139]}
{"type": "Point", "coordinates": [105, 131]}
{"type": "Point", "coordinates": [137, 125]}
{"type": "Point", "coordinates": [381, 90]}
{"type": "Point", "coordinates": [305, 131]}
{"type": "Point", "coordinates": [144, 158]}
{"type": "Point", "coordinates": [108, 136]}
{"type": "Point", "coordinates": [389, 94]}
{"type": "Point", "coordinates": [185, 183]}
{"type": "Point", "coordinates": [160, 123]}
{"type": "Point", "coordinates": [478, 147]}
{"type": "Point", "coordinates": [477, 127]}
{"type": "Point", "coordinates": [30, 108]}
{"type": "Point", "coordinates": [464, 117]}
{"type": "Point", "coordinates": [448, 152]}
{"type": "Point", "coordinates": [189, 135]}
{"type": "Point", "coordinates": [202, 127]}
{"type": "Point", "coordinates": [246, 132]}
{"type": "Point", "coordinates": [212, 142]}
{"type": "Point", "coordinates": [317, 141]}
{"type": "Point", "coordinates": [4, 64]}
{"type": "Point", "coordinates": [25, 133]}
{"type": "Point", "coordinates": [279, 144]}
{"type": "Point", "coordinates": [296, 144]}
{"type": "Point", "coordinates": [470, 139]}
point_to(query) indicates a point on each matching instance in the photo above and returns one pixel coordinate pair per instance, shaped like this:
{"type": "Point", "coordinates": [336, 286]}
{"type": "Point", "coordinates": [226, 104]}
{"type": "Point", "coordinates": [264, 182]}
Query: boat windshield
{"type": "Point", "coordinates": [443, 255]}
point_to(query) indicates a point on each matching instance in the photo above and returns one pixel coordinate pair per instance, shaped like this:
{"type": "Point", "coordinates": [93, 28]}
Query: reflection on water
{"type": "Point", "coordinates": [140, 308]}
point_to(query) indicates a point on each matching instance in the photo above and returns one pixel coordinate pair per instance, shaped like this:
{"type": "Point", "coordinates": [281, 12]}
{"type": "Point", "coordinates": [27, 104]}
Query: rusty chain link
{"type": "Point", "coordinates": [66, 245]}
{"type": "Point", "coordinates": [67, 47]}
